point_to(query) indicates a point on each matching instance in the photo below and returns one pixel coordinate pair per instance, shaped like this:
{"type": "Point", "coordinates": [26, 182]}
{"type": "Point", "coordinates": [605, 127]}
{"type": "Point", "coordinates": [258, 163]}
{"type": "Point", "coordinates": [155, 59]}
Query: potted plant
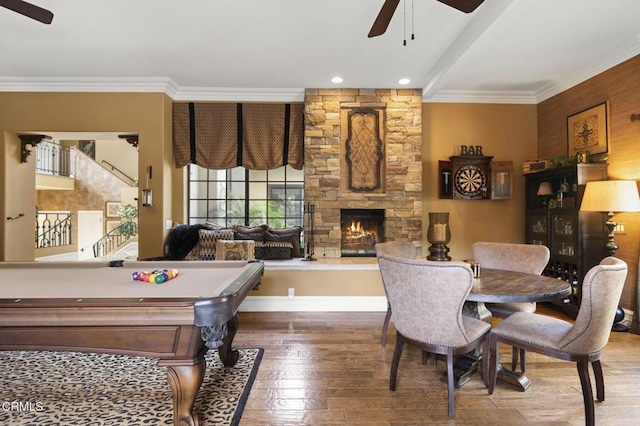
{"type": "Point", "coordinates": [127, 214]}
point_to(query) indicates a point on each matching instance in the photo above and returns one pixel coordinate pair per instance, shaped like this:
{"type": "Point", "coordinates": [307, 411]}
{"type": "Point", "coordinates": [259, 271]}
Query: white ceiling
{"type": "Point", "coordinates": [510, 51]}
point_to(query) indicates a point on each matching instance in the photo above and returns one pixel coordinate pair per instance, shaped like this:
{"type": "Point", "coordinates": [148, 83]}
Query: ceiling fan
{"type": "Point", "coordinates": [29, 10]}
{"type": "Point", "coordinates": [389, 7]}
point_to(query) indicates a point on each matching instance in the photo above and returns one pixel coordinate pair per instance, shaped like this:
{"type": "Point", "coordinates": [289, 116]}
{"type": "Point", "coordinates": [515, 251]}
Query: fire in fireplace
{"type": "Point", "coordinates": [361, 230]}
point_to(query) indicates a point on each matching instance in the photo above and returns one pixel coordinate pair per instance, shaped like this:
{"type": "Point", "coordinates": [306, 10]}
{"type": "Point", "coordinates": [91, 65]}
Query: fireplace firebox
{"type": "Point", "coordinates": [361, 230]}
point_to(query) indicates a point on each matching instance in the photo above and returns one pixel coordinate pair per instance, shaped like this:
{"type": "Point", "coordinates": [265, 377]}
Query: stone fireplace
{"type": "Point", "coordinates": [399, 195]}
{"type": "Point", "coordinates": [361, 230]}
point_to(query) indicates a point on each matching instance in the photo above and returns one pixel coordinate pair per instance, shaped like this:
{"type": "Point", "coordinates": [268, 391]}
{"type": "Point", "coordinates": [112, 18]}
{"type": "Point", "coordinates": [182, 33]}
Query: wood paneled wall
{"type": "Point", "coordinates": [620, 87]}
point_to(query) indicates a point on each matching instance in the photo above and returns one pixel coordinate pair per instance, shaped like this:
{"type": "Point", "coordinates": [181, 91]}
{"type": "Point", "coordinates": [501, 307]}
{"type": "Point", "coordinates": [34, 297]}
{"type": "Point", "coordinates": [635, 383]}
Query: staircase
{"type": "Point", "coordinates": [116, 238]}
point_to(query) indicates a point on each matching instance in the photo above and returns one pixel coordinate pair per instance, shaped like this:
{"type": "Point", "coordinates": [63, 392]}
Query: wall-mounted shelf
{"type": "Point", "coordinates": [475, 177]}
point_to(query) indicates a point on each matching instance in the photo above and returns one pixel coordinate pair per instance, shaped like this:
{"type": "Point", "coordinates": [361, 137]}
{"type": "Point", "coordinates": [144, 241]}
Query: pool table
{"type": "Point", "coordinates": [98, 307]}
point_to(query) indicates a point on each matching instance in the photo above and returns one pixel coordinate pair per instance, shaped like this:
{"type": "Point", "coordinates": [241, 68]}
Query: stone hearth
{"type": "Point", "coordinates": [324, 180]}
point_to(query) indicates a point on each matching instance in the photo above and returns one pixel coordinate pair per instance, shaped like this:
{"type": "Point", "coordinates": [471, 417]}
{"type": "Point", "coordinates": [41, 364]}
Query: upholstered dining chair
{"type": "Point", "coordinates": [427, 299]}
{"type": "Point", "coordinates": [582, 342]}
{"type": "Point", "coordinates": [526, 258]}
{"type": "Point", "coordinates": [405, 250]}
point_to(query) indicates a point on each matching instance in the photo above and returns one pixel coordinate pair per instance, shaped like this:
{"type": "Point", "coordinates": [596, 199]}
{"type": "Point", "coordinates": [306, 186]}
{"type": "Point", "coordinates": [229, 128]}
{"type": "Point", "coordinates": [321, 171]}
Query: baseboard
{"type": "Point", "coordinates": [314, 304]}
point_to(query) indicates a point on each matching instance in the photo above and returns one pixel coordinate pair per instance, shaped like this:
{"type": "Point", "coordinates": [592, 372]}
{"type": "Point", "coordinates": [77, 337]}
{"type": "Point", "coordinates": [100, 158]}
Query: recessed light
{"type": "Point", "coordinates": [336, 80]}
{"type": "Point", "coordinates": [404, 81]}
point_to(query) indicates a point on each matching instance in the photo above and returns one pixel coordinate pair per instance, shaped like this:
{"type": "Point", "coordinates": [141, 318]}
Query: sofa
{"type": "Point", "coordinates": [201, 241]}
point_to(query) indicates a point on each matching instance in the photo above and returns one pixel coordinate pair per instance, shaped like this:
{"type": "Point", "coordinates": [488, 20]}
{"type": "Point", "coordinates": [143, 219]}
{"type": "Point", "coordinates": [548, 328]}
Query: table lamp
{"type": "Point", "coordinates": [611, 196]}
{"type": "Point", "coordinates": [545, 190]}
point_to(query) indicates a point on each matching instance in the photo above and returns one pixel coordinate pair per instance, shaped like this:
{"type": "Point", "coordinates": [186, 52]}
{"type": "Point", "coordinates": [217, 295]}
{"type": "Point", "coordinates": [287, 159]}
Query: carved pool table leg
{"type": "Point", "coordinates": [185, 381]}
{"type": "Point", "coordinates": [228, 355]}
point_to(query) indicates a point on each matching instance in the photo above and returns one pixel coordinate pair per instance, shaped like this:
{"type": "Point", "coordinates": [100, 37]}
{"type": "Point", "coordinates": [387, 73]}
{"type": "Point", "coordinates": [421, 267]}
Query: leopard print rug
{"type": "Point", "coordinates": [70, 388]}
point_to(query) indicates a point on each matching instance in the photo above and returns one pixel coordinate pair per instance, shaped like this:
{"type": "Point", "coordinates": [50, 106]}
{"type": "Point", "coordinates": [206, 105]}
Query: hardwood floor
{"type": "Point", "coordinates": [329, 368]}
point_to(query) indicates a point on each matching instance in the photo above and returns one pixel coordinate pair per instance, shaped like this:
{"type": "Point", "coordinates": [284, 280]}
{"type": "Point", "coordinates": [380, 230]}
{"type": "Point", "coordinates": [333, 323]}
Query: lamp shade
{"type": "Point", "coordinates": [545, 188]}
{"type": "Point", "coordinates": [611, 196]}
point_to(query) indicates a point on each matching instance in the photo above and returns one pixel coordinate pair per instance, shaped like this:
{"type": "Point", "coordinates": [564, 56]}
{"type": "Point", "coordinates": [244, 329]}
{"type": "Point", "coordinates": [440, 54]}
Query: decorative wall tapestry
{"type": "Point", "coordinates": [363, 149]}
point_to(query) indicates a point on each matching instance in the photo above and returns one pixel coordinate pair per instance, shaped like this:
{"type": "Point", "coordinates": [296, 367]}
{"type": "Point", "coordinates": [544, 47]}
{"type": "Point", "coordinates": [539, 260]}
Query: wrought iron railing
{"type": "Point", "coordinates": [55, 159]}
{"type": "Point", "coordinates": [116, 237]}
{"type": "Point", "coordinates": [53, 229]}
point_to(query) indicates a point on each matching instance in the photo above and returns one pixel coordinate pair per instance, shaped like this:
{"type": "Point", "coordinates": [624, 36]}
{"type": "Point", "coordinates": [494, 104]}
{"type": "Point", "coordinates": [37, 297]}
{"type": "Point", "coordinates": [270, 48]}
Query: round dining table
{"type": "Point", "coordinates": [501, 286]}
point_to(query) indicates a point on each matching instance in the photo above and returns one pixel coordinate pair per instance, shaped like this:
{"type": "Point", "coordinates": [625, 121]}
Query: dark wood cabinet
{"type": "Point", "coordinates": [575, 239]}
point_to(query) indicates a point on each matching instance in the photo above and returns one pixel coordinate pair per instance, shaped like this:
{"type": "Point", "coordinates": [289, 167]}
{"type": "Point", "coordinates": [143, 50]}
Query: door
{"type": "Point", "coordinates": [90, 230]}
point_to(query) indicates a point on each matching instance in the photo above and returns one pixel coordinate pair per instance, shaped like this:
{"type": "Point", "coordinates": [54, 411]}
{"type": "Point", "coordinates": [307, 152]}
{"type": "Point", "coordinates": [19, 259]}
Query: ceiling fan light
{"type": "Point", "coordinates": [336, 80]}
{"type": "Point", "coordinates": [404, 81]}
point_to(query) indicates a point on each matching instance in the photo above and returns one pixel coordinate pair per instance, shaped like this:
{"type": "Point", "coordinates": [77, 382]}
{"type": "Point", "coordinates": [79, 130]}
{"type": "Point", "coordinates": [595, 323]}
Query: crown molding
{"type": "Point", "coordinates": [239, 94]}
{"type": "Point", "coordinates": [483, 97]}
{"type": "Point", "coordinates": [89, 84]}
{"type": "Point", "coordinates": [147, 85]}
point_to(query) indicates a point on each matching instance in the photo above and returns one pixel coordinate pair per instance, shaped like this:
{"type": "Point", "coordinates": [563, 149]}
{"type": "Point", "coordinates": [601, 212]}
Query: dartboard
{"type": "Point", "coordinates": [470, 180]}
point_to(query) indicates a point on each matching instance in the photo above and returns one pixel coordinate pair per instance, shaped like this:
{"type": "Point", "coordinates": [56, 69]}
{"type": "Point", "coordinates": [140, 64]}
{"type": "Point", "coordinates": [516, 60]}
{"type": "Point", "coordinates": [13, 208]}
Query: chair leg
{"type": "Point", "coordinates": [597, 372]}
{"type": "Point", "coordinates": [587, 393]}
{"type": "Point", "coordinates": [515, 354]}
{"type": "Point", "coordinates": [385, 326]}
{"type": "Point", "coordinates": [493, 360]}
{"type": "Point", "coordinates": [486, 358]}
{"type": "Point", "coordinates": [397, 353]}
{"type": "Point", "coordinates": [450, 387]}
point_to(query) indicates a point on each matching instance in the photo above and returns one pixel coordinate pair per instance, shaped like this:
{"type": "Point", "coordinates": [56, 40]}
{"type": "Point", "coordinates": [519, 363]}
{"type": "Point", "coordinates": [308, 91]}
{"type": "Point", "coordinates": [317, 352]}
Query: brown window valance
{"type": "Point", "coordinates": [257, 136]}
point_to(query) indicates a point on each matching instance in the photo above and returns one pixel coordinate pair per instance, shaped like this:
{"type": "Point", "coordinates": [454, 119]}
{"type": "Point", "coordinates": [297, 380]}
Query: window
{"type": "Point", "coordinates": [246, 197]}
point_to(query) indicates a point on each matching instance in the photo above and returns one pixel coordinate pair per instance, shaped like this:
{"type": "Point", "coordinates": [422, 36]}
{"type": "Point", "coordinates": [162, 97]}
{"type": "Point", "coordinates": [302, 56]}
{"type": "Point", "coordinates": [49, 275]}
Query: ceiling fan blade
{"type": "Point", "coordinates": [29, 10]}
{"type": "Point", "coordinates": [384, 17]}
{"type": "Point", "coordinates": [466, 6]}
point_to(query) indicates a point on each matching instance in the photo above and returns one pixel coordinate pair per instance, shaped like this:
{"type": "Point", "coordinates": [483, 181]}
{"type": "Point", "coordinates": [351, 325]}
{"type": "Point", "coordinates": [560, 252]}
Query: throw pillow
{"type": "Point", "coordinates": [270, 236]}
{"type": "Point", "coordinates": [294, 235]}
{"type": "Point", "coordinates": [217, 226]}
{"type": "Point", "coordinates": [258, 236]}
{"type": "Point", "coordinates": [208, 239]}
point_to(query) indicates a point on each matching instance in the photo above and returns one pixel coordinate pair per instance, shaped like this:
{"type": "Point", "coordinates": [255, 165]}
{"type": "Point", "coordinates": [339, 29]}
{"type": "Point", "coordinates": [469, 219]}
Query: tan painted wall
{"type": "Point", "coordinates": [506, 132]}
{"type": "Point", "coordinates": [321, 283]}
{"type": "Point", "coordinates": [14, 177]}
{"type": "Point", "coordinates": [119, 154]}
{"type": "Point", "coordinates": [618, 86]}
{"type": "Point", "coordinates": [147, 114]}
